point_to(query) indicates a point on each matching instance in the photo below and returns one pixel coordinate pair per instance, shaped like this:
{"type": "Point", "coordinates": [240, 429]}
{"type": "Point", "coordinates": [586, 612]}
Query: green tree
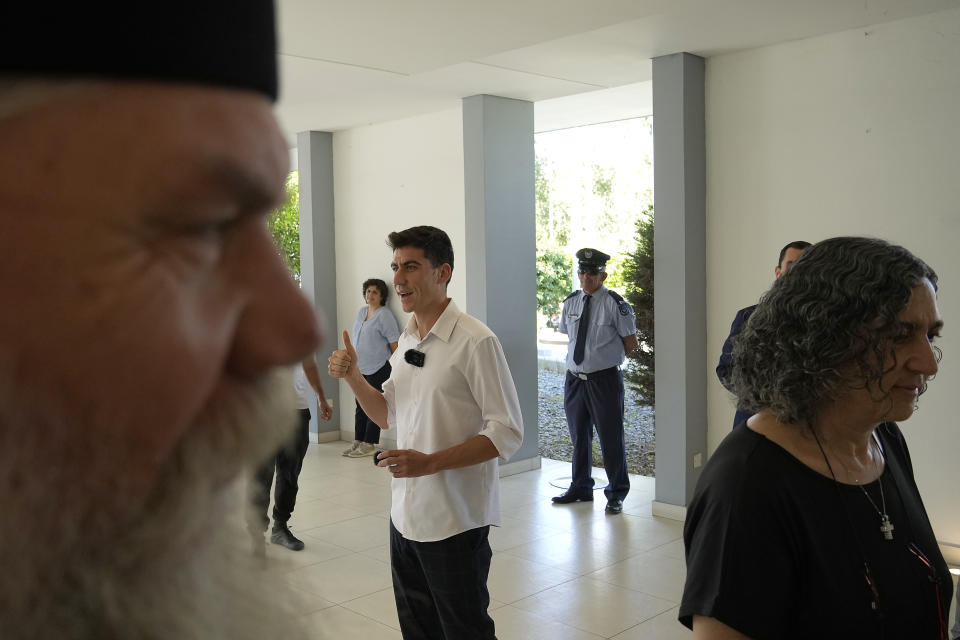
{"type": "Point", "coordinates": [638, 274]}
{"type": "Point", "coordinates": [284, 225]}
{"type": "Point", "coordinates": [607, 218]}
{"type": "Point", "coordinates": [553, 218]}
{"type": "Point", "coordinates": [554, 282]}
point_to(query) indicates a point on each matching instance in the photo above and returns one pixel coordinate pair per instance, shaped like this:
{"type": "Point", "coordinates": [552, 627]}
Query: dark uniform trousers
{"type": "Point", "coordinates": [287, 463]}
{"type": "Point", "coordinates": [597, 402]}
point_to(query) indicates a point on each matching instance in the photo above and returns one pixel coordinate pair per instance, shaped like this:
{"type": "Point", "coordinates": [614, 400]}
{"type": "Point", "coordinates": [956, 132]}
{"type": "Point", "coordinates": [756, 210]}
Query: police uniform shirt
{"type": "Point", "coordinates": [610, 321]}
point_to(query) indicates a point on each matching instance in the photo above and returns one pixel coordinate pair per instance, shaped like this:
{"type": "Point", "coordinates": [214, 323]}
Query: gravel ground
{"type": "Point", "coordinates": [555, 438]}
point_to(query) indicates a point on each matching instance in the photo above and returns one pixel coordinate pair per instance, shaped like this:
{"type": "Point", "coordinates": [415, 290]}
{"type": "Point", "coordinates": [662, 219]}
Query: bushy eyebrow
{"type": "Point", "coordinates": [393, 265]}
{"type": "Point", "coordinates": [910, 327]}
{"type": "Point", "coordinates": [253, 189]}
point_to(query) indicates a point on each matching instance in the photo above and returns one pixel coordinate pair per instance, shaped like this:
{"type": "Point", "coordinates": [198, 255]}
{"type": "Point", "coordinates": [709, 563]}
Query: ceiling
{"type": "Point", "coordinates": [348, 63]}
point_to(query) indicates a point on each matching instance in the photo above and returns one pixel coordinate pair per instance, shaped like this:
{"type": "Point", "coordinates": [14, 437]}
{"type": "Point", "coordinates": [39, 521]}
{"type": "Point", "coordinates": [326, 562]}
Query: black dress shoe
{"type": "Point", "coordinates": [569, 496]}
{"type": "Point", "coordinates": [281, 535]}
{"type": "Point", "coordinates": [614, 505]}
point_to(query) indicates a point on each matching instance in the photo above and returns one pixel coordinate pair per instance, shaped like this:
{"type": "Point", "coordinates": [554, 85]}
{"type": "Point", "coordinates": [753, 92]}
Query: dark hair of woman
{"type": "Point", "coordinates": [379, 284]}
{"type": "Point", "coordinates": [827, 325]}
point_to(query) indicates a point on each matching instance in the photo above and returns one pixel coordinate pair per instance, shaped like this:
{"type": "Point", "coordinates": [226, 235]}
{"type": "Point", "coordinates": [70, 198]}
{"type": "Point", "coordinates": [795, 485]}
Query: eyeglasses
{"type": "Point", "coordinates": [931, 575]}
{"type": "Point", "coordinates": [414, 357]}
{"type": "Point", "coordinates": [935, 579]}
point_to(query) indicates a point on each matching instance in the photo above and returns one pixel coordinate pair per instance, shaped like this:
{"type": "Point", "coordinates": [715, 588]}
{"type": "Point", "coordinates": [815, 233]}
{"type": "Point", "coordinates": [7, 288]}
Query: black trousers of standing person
{"type": "Point", "coordinates": [597, 402]}
{"type": "Point", "coordinates": [365, 429]}
{"type": "Point", "coordinates": [441, 587]}
{"type": "Point", "coordinates": [287, 464]}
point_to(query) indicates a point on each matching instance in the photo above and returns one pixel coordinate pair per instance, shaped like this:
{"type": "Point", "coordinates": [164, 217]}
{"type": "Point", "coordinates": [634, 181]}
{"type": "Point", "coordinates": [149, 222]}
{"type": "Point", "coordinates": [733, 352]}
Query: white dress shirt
{"type": "Point", "coordinates": [464, 389]}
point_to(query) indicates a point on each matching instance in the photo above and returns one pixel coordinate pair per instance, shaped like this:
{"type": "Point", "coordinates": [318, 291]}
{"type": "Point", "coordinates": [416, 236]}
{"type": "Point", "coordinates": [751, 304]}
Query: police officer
{"type": "Point", "coordinates": [601, 329]}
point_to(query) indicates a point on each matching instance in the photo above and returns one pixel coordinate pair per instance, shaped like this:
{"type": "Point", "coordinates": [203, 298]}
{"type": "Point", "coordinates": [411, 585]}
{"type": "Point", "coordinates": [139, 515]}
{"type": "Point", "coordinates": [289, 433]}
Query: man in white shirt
{"type": "Point", "coordinates": [452, 401]}
{"type": "Point", "coordinates": [286, 464]}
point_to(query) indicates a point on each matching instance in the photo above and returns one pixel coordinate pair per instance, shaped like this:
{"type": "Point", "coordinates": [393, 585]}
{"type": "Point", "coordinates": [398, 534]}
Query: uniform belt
{"type": "Point", "coordinates": [595, 374]}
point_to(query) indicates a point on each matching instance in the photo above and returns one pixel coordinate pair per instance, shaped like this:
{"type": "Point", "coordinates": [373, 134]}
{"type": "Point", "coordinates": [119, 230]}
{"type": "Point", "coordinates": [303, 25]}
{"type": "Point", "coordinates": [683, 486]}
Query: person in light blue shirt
{"type": "Point", "coordinates": [601, 328]}
{"type": "Point", "coordinates": [375, 335]}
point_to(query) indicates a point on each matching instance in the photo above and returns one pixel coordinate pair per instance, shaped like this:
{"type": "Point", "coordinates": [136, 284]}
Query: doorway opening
{"type": "Point", "coordinates": [594, 188]}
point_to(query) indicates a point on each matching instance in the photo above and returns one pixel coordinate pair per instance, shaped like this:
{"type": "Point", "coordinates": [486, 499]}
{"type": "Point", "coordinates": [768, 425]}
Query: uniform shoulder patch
{"type": "Point", "coordinates": [622, 305]}
{"type": "Point", "coordinates": [571, 295]}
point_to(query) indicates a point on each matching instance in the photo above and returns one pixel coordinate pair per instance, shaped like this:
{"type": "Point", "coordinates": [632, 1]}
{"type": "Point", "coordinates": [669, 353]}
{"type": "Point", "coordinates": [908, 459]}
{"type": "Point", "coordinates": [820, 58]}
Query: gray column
{"type": "Point", "coordinates": [680, 267]}
{"type": "Point", "coordinates": [318, 260]}
{"type": "Point", "coordinates": [501, 242]}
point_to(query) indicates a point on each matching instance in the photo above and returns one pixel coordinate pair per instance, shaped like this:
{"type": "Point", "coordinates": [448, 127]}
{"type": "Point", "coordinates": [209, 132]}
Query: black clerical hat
{"type": "Point", "coordinates": [212, 42]}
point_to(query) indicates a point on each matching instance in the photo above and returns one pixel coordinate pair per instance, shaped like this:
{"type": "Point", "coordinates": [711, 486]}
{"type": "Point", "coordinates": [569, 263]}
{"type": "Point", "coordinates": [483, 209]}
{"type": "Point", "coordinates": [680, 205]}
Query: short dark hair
{"type": "Point", "coordinates": [834, 316]}
{"type": "Point", "coordinates": [803, 245]}
{"type": "Point", "coordinates": [379, 284]}
{"type": "Point", "coordinates": [434, 242]}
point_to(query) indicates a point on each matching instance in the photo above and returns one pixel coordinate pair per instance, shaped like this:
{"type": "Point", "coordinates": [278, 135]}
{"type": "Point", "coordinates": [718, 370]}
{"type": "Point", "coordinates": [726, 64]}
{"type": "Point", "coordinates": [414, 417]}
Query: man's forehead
{"type": "Point", "coordinates": [402, 255]}
{"type": "Point", "coordinates": [208, 146]}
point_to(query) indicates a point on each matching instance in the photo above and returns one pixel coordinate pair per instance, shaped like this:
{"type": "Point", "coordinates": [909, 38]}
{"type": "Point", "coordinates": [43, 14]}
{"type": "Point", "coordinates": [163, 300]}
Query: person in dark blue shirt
{"type": "Point", "coordinates": [788, 255]}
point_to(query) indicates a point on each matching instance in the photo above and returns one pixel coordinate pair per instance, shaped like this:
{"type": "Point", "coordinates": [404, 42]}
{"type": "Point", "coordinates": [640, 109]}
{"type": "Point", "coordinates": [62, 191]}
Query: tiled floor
{"type": "Point", "coordinates": [558, 572]}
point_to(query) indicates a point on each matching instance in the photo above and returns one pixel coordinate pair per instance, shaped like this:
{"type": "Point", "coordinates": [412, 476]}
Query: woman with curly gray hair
{"type": "Point", "coordinates": [808, 522]}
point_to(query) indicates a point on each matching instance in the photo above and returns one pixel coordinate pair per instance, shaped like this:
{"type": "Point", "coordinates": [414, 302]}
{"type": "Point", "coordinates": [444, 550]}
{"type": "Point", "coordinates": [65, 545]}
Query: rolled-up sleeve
{"type": "Point", "coordinates": [492, 386]}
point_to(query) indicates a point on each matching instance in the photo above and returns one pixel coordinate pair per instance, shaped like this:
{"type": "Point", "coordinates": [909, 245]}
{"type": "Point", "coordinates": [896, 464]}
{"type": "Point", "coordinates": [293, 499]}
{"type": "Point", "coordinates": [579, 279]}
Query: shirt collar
{"type": "Point", "coordinates": [597, 292]}
{"type": "Point", "coordinates": [443, 327]}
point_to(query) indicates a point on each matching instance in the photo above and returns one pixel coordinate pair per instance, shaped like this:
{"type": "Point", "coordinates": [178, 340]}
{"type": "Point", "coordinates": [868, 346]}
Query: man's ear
{"type": "Point", "coordinates": [604, 278]}
{"type": "Point", "coordinates": [776, 272]}
{"type": "Point", "coordinates": [445, 273]}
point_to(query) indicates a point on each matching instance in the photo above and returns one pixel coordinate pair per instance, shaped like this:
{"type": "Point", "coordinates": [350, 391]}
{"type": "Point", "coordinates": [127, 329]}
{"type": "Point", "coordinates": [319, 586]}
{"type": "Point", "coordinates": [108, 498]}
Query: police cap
{"type": "Point", "coordinates": [591, 260]}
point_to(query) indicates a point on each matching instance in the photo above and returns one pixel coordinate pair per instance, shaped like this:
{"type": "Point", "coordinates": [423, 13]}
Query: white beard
{"type": "Point", "coordinates": [180, 568]}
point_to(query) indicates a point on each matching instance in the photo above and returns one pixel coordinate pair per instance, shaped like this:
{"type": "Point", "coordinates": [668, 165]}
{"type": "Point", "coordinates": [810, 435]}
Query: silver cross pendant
{"type": "Point", "coordinates": [886, 528]}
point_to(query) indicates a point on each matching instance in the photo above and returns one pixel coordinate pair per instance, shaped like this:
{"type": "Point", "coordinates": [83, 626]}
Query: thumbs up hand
{"type": "Point", "coordinates": [343, 362]}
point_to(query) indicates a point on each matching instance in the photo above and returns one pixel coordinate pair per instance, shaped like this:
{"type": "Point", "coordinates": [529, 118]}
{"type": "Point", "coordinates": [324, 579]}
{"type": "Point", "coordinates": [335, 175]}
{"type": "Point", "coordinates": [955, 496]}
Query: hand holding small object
{"type": "Point", "coordinates": [404, 463]}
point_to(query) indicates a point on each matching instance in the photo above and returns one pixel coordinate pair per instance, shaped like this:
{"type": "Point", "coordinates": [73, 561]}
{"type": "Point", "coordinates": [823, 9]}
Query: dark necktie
{"type": "Point", "coordinates": [582, 331]}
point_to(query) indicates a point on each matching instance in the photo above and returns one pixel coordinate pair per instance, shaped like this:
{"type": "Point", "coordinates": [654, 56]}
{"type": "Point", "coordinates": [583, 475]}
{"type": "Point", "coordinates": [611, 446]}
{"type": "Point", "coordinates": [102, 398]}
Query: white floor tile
{"type": "Point", "coordinates": [512, 578]}
{"type": "Point", "coordinates": [597, 607]}
{"type": "Point", "coordinates": [517, 624]}
{"type": "Point", "coordinates": [651, 573]}
{"type": "Point", "coordinates": [357, 534]}
{"type": "Point", "coordinates": [558, 572]}
{"type": "Point", "coordinates": [379, 606]}
{"type": "Point", "coordinates": [661, 627]}
{"type": "Point", "coordinates": [338, 623]}
{"type": "Point", "coordinates": [342, 579]}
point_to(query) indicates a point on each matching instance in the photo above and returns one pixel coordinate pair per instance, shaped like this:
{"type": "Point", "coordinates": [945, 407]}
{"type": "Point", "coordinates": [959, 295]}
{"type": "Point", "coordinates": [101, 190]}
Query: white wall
{"type": "Point", "coordinates": [854, 133]}
{"type": "Point", "coordinates": [388, 177]}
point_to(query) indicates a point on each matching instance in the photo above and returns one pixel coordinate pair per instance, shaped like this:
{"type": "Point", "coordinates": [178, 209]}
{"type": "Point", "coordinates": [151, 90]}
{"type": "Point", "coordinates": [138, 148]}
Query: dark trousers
{"type": "Point", "coordinates": [365, 429]}
{"type": "Point", "coordinates": [441, 587]}
{"type": "Point", "coordinates": [597, 402]}
{"type": "Point", "coordinates": [287, 463]}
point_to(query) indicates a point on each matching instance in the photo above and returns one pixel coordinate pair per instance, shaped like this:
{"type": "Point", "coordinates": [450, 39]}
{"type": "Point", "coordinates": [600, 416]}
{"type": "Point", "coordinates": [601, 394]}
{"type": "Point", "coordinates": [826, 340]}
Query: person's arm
{"type": "Point", "coordinates": [391, 331]}
{"type": "Point", "coordinates": [626, 323]}
{"type": "Point", "coordinates": [725, 366]}
{"type": "Point", "coordinates": [409, 463]}
{"type": "Point", "coordinates": [492, 387]}
{"type": "Point", "coordinates": [312, 371]}
{"type": "Point", "coordinates": [343, 365]}
{"type": "Point", "coordinates": [712, 629]}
